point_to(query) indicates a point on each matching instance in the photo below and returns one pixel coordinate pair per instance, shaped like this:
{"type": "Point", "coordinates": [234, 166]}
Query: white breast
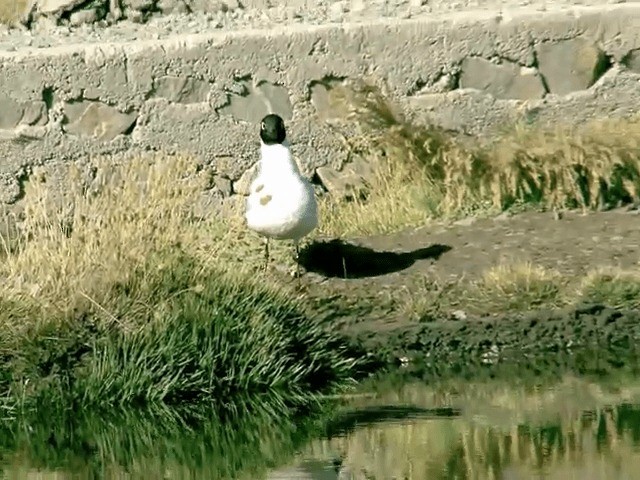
{"type": "Point", "coordinates": [281, 201]}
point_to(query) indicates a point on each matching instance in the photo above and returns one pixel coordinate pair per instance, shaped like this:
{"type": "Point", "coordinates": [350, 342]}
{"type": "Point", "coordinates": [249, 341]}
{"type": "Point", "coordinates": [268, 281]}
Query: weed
{"type": "Point", "coordinates": [12, 11]}
{"type": "Point", "coordinates": [507, 287]}
{"type": "Point", "coordinates": [616, 288]}
{"type": "Point", "coordinates": [429, 300]}
{"type": "Point", "coordinates": [391, 204]}
{"type": "Point", "coordinates": [425, 173]}
{"type": "Point", "coordinates": [117, 295]}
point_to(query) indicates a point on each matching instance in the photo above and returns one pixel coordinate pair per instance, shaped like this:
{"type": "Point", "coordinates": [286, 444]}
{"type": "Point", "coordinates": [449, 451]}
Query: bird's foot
{"type": "Point", "coordinates": [296, 272]}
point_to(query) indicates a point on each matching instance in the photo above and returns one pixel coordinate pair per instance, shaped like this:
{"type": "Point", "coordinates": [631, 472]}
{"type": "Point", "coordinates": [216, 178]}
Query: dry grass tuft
{"type": "Point", "coordinates": [426, 173]}
{"type": "Point", "coordinates": [104, 226]}
{"type": "Point", "coordinates": [73, 246]}
{"type": "Point", "coordinates": [400, 194]}
{"type": "Point", "coordinates": [14, 11]}
{"type": "Point", "coordinates": [517, 287]}
{"type": "Point", "coordinates": [116, 293]}
{"type": "Point", "coordinates": [391, 204]}
{"type": "Point", "coordinates": [617, 288]}
{"type": "Point", "coordinates": [596, 166]}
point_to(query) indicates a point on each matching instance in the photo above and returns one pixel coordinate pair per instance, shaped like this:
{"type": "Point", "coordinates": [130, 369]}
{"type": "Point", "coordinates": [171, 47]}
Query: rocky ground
{"type": "Point", "coordinates": [408, 264]}
{"type": "Point", "coordinates": [48, 23]}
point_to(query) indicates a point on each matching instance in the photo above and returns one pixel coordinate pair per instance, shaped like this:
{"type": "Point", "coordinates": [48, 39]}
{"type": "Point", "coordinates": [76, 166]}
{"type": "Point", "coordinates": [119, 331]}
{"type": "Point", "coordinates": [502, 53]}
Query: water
{"type": "Point", "coordinates": [490, 429]}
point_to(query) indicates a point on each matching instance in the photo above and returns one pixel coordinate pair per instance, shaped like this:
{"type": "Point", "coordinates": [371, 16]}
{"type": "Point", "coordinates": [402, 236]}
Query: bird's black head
{"type": "Point", "coordinates": [272, 129]}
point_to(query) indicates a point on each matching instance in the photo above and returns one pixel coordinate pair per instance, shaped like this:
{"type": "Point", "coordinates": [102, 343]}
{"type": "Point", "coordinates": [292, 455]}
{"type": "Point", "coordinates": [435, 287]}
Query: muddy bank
{"type": "Point", "coordinates": [590, 339]}
{"type": "Point", "coordinates": [394, 298]}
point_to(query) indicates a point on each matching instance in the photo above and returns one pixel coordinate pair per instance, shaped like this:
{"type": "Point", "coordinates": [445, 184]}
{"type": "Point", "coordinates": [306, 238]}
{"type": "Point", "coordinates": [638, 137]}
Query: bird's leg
{"type": "Point", "coordinates": [266, 253]}
{"type": "Point", "coordinates": [115, 10]}
{"type": "Point", "coordinates": [297, 247]}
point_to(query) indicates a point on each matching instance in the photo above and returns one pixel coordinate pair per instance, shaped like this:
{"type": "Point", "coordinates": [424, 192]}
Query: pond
{"type": "Point", "coordinates": [516, 428]}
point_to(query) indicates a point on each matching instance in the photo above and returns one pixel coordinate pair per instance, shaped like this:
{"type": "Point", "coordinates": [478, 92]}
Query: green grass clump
{"type": "Point", "coordinates": [112, 298]}
{"type": "Point", "coordinates": [220, 339]}
{"type": "Point", "coordinates": [188, 340]}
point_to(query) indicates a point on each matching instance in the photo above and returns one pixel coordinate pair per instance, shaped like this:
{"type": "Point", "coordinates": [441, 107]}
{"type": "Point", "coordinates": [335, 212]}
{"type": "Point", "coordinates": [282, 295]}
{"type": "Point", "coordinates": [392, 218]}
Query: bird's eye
{"type": "Point", "coordinates": [262, 126]}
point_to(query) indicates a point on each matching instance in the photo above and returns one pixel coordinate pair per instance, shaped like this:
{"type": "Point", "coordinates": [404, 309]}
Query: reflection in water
{"type": "Point", "coordinates": [574, 430]}
{"type": "Point", "coordinates": [491, 430]}
{"type": "Point", "coordinates": [153, 445]}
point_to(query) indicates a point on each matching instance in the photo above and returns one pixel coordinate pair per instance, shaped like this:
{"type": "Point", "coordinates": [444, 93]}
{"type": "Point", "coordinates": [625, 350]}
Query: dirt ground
{"type": "Point", "coordinates": [378, 268]}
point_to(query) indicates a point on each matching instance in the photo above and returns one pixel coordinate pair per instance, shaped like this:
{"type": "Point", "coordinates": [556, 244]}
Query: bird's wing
{"type": "Point", "coordinates": [257, 185]}
{"type": "Point", "coordinates": [260, 194]}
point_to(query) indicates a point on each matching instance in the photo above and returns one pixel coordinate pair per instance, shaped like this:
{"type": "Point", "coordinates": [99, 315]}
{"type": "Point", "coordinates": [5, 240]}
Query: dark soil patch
{"type": "Point", "coordinates": [511, 338]}
{"type": "Point", "coordinates": [359, 304]}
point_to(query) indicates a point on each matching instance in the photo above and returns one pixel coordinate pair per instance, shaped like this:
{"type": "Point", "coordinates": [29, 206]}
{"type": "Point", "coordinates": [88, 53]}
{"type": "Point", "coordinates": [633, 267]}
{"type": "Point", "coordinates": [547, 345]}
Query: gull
{"type": "Point", "coordinates": [281, 203]}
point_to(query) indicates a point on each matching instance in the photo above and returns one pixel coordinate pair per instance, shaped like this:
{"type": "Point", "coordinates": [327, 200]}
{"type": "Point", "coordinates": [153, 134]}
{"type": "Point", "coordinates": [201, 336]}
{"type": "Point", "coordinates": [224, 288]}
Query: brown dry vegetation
{"type": "Point", "coordinates": [116, 283]}
{"type": "Point", "coordinates": [515, 288]}
{"type": "Point", "coordinates": [425, 173]}
{"type": "Point", "coordinates": [76, 242]}
{"type": "Point", "coordinates": [426, 176]}
{"type": "Point", "coordinates": [12, 11]}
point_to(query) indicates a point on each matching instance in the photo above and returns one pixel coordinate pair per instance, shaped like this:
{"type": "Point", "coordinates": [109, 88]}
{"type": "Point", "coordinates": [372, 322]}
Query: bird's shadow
{"type": "Point", "coordinates": [337, 258]}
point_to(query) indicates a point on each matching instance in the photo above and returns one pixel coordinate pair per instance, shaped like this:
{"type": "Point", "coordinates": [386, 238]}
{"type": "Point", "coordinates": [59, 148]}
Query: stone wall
{"type": "Point", "coordinates": [78, 12]}
{"type": "Point", "coordinates": [203, 94]}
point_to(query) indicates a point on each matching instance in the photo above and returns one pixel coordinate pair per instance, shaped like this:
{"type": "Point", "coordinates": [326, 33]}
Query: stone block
{"type": "Point", "coordinates": [340, 184]}
{"type": "Point", "coordinates": [319, 95]}
{"type": "Point", "coordinates": [181, 89]}
{"type": "Point", "coordinates": [507, 80]}
{"type": "Point", "coordinates": [570, 65]}
{"type": "Point", "coordinates": [349, 182]}
{"type": "Point", "coordinates": [97, 120]}
{"type": "Point", "coordinates": [141, 5]}
{"type": "Point", "coordinates": [242, 185]}
{"type": "Point", "coordinates": [632, 60]}
{"type": "Point", "coordinates": [258, 100]}
{"type": "Point", "coordinates": [83, 17]}
{"type": "Point", "coordinates": [212, 6]}
{"type": "Point", "coordinates": [11, 113]}
{"type": "Point", "coordinates": [14, 113]}
{"type": "Point", "coordinates": [320, 99]}
{"type": "Point", "coordinates": [172, 6]}
{"type": "Point", "coordinates": [17, 13]}
{"type": "Point", "coordinates": [223, 185]}
{"type": "Point", "coordinates": [35, 113]}
{"type": "Point", "coordinates": [57, 7]}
